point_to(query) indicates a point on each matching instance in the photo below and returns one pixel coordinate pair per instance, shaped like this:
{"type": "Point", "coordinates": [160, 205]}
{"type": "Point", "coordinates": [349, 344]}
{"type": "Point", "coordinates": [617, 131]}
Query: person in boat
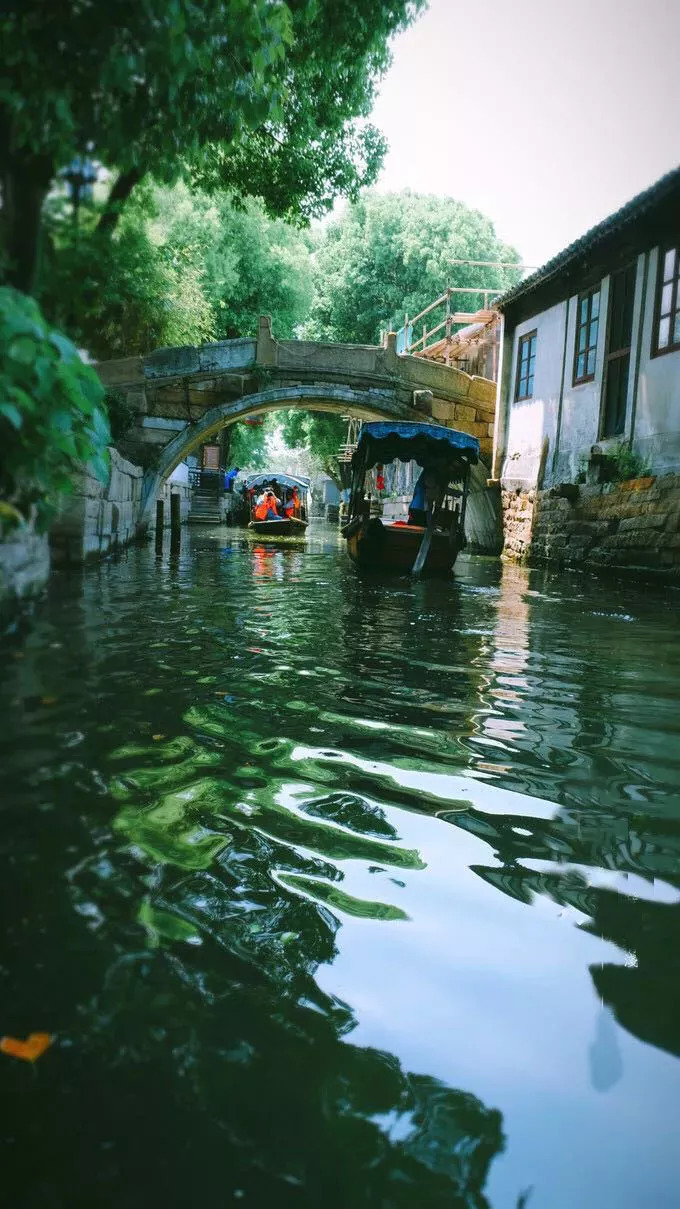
{"type": "Point", "coordinates": [292, 506]}
{"type": "Point", "coordinates": [425, 494]}
{"type": "Point", "coordinates": [266, 508]}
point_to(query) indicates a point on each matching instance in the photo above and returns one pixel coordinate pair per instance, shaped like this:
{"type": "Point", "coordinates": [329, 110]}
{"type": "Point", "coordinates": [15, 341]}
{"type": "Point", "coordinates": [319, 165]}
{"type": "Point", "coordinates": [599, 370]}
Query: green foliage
{"type": "Point", "coordinates": [260, 97]}
{"type": "Point", "coordinates": [247, 446]}
{"type": "Point", "coordinates": [321, 432]}
{"type": "Point", "coordinates": [392, 254]}
{"type": "Point", "coordinates": [623, 463]}
{"type": "Point", "coordinates": [51, 414]}
{"type": "Point", "coordinates": [180, 268]}
{"type": "Point", "coordinates": [146, 84]}
{"type": "Point", "coordinates": [127, 294]}
{"type": "Point", "coordinates": [250, 265]}
{"type": "Point", "coordinates": [121, 414]}
{"type": "Point", "coordinates": [321, 146]}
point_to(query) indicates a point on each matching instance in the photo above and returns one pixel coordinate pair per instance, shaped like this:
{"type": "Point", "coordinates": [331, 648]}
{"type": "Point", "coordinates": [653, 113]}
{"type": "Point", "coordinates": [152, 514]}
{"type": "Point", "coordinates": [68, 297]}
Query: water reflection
{"type": "Point", "coordinates": [289, 836]}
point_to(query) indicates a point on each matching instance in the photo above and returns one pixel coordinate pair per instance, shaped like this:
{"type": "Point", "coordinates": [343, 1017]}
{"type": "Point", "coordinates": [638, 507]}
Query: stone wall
{"type": "Point", "coordinates": [475, 416]}
{"type": "Point", "coordinates": [98, 518]}
{"type": "Point", "coordinates": [24, 569]}
{"type": "Point", "coordinates": [634, 525]}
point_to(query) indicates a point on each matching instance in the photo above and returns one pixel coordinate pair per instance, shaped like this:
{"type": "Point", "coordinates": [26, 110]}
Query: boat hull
{"type": "Point", "coordinates": [375, 546]}
{"type": "Point", "coordinates": [284, 527]}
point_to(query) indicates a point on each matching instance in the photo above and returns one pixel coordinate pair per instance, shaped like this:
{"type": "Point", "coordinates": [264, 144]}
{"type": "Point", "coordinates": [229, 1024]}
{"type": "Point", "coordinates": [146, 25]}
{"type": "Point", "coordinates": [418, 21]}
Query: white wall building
{"type": "Point", "coordinates": [590, 356]}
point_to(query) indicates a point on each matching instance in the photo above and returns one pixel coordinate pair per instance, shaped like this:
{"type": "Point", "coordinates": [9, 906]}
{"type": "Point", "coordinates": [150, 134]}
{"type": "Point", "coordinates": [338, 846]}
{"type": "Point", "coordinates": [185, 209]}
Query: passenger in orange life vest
{"type": "Point", "coordinates": [292, 507]}
{"type": "Point", "coordinates": [266, 509]}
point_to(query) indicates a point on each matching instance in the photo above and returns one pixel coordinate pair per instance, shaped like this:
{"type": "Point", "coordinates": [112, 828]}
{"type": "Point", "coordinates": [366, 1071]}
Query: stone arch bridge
{"type": "Point", "coordinates": [177, 398]}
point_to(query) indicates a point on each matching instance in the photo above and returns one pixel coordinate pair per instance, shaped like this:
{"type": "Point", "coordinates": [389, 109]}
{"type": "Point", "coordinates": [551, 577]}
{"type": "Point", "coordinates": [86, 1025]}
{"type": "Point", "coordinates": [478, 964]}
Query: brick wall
{"type": "Point", "coordinates": [633, 525]}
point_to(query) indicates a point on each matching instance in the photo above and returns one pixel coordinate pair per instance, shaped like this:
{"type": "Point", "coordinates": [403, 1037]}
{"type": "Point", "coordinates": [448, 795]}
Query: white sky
{"type": "Point", "coordinates": [547, 115]}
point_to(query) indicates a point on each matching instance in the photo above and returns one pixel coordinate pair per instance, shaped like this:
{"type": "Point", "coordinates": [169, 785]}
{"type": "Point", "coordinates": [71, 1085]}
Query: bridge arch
{"type": "Point", "coordinates": [483, 518]}
{"type": "Point", "coordinates": [366, 404]}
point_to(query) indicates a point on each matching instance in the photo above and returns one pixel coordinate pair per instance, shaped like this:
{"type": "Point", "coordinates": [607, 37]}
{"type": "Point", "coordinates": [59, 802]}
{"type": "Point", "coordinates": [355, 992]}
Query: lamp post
{"type": "Point", "coordinates": [80, 175]}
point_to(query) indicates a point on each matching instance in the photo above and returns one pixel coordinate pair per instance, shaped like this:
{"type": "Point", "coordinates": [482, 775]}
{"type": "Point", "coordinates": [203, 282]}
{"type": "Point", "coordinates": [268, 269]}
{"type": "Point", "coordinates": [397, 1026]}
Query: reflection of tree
{"type": "Point", "coordinates": [210, 1014]}
{"type": "Point", "coordinates": [243, 1065]}
{"type": "Point", "coordinates": [645, 996]}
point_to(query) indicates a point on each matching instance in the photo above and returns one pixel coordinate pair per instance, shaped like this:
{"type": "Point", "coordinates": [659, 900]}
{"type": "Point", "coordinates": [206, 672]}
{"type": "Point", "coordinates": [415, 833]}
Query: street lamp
{"type": "Point", "coordinates": [80, 175]}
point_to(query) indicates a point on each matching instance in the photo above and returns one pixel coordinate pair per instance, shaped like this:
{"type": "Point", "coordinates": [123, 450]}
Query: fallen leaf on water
{"type": "Point", "coordinates": [30, 1050]}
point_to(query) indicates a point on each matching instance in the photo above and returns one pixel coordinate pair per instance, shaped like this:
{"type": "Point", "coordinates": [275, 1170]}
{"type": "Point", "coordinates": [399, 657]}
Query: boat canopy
{"type": "Point", "coordinates": [273, 476]}
{"type": "Point", "coordinates": [405, 441]}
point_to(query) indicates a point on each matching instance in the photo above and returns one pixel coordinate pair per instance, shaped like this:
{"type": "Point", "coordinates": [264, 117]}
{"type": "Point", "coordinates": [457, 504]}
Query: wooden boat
{"type": "Point", "coordinates": [285, 526]}
{"type": "Point", "coordinates": [430, 541]}
{"type": "Point", "coordinates": [289, 501]}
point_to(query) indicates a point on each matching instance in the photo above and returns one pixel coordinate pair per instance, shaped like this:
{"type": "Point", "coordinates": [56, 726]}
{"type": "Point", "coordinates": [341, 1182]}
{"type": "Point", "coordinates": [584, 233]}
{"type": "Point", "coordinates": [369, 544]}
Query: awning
{"type": "Point", "coordinates": [405, 441]}
{"type": "Point", "coordinates": [267, 477]}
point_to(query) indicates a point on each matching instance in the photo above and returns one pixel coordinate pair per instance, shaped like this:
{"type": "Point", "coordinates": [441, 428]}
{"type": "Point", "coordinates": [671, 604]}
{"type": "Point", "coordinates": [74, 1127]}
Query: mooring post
{"type": "Point", "coordinates": [175, 514]}
{"type": "Point", "coordinates": [159, 523]}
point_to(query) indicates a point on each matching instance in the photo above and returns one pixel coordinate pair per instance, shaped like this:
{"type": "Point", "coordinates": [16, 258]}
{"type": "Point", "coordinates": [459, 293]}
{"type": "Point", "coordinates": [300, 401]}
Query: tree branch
{"type": "Point", "coordinates": [117, 198]}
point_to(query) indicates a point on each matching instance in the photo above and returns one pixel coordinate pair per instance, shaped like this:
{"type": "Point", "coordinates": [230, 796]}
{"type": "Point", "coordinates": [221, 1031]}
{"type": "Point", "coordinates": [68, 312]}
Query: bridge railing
{"type": "Point", "coordinates": [442, 317]}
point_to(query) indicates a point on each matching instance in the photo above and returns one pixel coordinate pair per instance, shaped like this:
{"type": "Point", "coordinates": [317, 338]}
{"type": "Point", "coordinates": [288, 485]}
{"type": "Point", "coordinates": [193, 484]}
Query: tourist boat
{"type": "Point", "coordinates": [430, 540]}
{"type": "Point", "coordinates": [290, 495]}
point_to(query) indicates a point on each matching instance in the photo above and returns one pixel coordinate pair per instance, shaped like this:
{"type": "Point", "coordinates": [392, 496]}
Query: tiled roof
{"type": "Point", "coordinates": [633, 209]}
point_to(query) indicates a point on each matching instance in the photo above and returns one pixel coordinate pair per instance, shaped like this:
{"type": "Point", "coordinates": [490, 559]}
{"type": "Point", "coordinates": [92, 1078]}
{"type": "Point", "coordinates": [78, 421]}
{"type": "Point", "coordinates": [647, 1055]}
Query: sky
{"type": "Point", "coordinates": [547, 115]}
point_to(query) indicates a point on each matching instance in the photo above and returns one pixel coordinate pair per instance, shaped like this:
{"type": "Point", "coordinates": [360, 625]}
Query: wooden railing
{"type": "Point", "coordinates": [443, 328]}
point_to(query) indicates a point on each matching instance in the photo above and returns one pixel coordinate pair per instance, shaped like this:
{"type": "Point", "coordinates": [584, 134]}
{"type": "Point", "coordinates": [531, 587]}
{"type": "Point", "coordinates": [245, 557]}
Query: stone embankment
{"type": "Point", "coordinates": [98, 518]}
{"type": "Point", "coordinates": [634, 525]}
{"type": "Point", "coordinates": [24, 568]}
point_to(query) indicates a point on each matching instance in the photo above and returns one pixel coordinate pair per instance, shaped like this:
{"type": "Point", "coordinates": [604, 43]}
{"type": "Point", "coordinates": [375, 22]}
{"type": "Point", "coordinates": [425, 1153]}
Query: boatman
{"type": "Point", "coordinates": [425, 494]}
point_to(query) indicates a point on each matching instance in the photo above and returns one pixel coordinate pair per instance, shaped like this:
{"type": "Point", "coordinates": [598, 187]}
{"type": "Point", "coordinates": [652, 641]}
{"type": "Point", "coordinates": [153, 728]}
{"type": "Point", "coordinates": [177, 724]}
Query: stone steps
{"type": "Point", "coordinates": [205, 508]}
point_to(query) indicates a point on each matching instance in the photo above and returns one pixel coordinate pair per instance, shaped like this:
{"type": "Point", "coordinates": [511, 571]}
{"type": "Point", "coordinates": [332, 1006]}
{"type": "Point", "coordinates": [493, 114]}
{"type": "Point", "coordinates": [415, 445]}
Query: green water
{"type": "Point", "coordinates": [338, 893]}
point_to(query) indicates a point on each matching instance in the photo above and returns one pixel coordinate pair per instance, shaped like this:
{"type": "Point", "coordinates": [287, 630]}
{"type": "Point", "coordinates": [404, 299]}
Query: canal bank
{"type": "Point", "coordinates": [366, 889]}
{"type": "Point", "coordinates": [629, 527]}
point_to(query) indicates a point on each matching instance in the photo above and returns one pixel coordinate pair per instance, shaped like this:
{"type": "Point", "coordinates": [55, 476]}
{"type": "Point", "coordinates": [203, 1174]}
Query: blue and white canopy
{"type": "Point", "coordinates": [266, 478]}
{"type": "Point", "coordinates": [405, 441]}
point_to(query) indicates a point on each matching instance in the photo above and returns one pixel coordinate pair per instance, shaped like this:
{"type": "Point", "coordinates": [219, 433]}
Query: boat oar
{"type": "Point", "coordinates": [427, 535]}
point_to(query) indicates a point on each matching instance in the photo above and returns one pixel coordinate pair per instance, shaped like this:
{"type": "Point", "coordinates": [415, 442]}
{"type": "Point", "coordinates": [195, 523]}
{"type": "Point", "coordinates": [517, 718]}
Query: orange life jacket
{"type": "Point", "coordinates": [293, 503]}
{"type": "Point", "coordinates": [263, 508]}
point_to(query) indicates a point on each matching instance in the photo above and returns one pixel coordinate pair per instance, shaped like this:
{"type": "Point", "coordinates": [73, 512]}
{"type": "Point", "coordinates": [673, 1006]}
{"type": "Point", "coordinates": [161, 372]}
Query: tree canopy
{"type": "Point", "coordinates": [321, 432]}
{"type": "Point", "coordinates": [180, 268]}
{"type": "Point", "coordinates": [391, 254]}
{"type": "Point", "coordinates": [263, 97]}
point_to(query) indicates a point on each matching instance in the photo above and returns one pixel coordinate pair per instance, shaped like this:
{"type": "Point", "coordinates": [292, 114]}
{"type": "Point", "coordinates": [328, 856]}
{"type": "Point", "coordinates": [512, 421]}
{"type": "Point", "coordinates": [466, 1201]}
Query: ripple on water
{"type": "Point", "coordinates": [373, 889]}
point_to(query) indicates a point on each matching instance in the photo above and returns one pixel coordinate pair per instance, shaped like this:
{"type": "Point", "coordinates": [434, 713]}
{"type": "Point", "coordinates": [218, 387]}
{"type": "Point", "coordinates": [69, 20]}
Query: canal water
{"type": "Point", "coordinates": [339, 892]}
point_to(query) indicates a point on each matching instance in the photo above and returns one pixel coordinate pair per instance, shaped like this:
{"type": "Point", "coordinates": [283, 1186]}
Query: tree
{"type": "Point", "coordinates": [127, 295]}
{"type": "Point", "coordinates": [391, 254]}
{"type": "Point", "coordinates": [321, 432]}
{"type": "Point", "coordinates": [180, 268]}
{"type": "Point", "coordinates": [258, 95]}
{"type": "Point", "coordinates": [251, 265]}
{"type": "Point", "coordinates": [245, 444]}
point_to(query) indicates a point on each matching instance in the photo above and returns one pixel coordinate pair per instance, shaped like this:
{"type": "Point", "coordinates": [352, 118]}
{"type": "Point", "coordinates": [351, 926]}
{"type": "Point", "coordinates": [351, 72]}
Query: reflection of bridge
{"type": "Point", "coordinates": [179, 397]}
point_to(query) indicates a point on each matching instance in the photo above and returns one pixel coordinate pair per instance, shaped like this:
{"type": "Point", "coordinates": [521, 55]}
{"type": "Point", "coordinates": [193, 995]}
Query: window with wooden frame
{"type": "Point", "coordinates": [666, 337]}
{"type": "Point", "coordinates": [585, 345]}
{"type": "Point", "coordinates": [526, 360]}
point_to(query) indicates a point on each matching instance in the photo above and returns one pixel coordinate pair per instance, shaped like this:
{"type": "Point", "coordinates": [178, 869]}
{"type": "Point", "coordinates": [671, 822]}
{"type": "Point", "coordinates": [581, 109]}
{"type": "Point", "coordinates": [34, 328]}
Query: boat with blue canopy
{"type": "Point", "coordinates": [276, 504]}
{"type": "Point", "coordinates": [429, 541]}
